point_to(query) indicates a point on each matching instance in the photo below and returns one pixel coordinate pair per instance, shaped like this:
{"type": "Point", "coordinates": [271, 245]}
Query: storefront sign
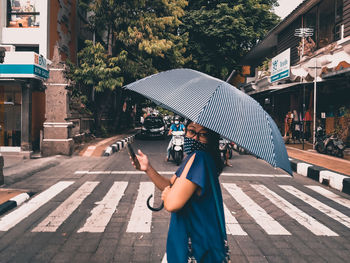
{"type": "Point", "coordinates": [281, 66]}
{"type": "Point", "coordinates": [24, 65]}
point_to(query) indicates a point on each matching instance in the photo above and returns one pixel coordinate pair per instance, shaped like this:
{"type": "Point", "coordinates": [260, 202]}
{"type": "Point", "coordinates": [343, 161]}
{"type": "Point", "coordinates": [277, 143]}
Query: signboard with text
{"type": "Point", "coordinates": [24, 65]}
{"type": "Point", "coordinates": [280, 67]}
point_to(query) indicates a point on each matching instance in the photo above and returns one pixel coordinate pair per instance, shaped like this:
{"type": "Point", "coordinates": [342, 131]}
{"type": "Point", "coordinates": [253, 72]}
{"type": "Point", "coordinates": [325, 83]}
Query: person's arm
{"type": "Point", "coordinates": [177, 196]}
{"type": "Point", "coordinates": [160, 182]}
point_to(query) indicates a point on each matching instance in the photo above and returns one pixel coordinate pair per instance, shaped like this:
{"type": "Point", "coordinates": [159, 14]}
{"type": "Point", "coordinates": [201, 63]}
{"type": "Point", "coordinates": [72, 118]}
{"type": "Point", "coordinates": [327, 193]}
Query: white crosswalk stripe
{"type": "Point", "coordinates": [140, 220]}
{"type": "Point", "coordinates": [302, 218]}
{"type": "Point", "coordinates": [141, 216]}
{"type": "Point", "coordinates": [329, 211]}
{"type": "Point", "coordinates": [330, 195]}
{"type": "Point", "coordinates": [102, 213]}
{"type": "Point", "coordinates": [58, 216]}
{"type": "Point", "coordinates": [232, 225]}
{"type": "Point", "coordinates": [270, 225]}
{"type": "Point", "coordinates": [13, 218]}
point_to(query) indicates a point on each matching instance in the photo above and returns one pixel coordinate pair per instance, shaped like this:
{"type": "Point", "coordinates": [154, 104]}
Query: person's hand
{"type": "Point", "coordinates": [165, 192]}
{"type": "Point", "coordinates": [143, 160]}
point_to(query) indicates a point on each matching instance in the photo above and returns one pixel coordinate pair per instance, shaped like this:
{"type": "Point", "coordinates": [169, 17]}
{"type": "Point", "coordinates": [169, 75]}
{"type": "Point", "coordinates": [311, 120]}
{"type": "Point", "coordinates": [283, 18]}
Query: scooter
{"type": "Point", "coordinates": [335, 146]}
{"type": "Point", "coordinates": [225, 146]}
{"type": "Point", "coordinates": [321, 140]}
{"type": "Point", "coordinates": [177, 146]}
{"type": "Point", "coordinates": [329, 144]}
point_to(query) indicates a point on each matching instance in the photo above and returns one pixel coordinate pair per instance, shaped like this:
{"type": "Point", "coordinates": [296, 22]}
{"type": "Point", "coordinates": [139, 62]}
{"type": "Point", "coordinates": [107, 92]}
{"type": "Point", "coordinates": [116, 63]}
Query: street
{"type": "Point", "coordinates": [93, 209]}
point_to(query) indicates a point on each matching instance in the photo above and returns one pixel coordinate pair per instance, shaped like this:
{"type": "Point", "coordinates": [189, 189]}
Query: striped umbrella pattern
{"type": "Point", "coordinates": [219, 106]}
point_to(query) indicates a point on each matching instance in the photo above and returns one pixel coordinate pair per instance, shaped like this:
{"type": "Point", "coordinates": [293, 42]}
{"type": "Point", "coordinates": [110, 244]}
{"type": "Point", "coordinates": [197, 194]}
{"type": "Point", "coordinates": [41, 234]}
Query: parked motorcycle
{"type": "Point", "coordinates": [177, 146]}
{"type": "Point", "coordinates": [329, 144]}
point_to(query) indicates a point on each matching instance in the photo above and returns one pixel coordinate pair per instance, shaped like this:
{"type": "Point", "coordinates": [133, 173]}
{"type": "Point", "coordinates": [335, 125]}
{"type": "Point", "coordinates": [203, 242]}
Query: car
{"type": "Point", "coordinates": [153, 126]}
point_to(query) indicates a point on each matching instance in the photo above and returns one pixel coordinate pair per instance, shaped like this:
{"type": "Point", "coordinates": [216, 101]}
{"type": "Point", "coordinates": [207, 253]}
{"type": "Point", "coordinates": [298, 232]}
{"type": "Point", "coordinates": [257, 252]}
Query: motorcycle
{"type": "Point", "coordinates": [329, 144]}
{"type": "Point", "coordinates": [225, 146]}
{"type": "Point", "coordinates": [177, 146]}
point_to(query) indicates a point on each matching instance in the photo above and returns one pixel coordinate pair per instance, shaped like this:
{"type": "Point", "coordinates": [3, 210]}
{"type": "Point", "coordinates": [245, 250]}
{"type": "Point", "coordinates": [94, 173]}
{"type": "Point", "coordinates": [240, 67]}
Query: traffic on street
{"type": "Point", "coordinates": [93, 209]}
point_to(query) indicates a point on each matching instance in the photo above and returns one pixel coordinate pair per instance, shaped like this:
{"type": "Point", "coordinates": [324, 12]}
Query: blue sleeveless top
{"type": "Point", "coordinates": [198, 219]}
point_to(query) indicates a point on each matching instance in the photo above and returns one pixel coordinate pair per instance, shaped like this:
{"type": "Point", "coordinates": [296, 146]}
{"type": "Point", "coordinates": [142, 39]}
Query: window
{"type": "Point", "coordinates": [23, 13]}
{"type": "Point", "coordinates": [338, 10]}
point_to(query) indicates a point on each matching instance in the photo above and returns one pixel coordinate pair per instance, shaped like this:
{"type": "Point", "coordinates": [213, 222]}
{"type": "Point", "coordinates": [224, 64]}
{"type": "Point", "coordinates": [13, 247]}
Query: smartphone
{"type": "Point", "coordinates": [133, 156]}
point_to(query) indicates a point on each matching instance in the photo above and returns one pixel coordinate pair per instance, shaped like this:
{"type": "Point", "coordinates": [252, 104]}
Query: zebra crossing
{"type": "Point", "coordinates": [140, 220]}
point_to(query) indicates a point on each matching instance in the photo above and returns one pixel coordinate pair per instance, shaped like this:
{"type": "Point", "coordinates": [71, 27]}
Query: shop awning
{"type": "Point", "coordinates": [273, 88]}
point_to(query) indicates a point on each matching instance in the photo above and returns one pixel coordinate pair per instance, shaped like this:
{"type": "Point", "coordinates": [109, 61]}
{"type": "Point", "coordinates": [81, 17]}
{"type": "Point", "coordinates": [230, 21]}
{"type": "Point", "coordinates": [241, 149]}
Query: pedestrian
{"type": "Point", "coordinates": [194, 230]}
{"type": "Point", "coordinates": [176, 126]}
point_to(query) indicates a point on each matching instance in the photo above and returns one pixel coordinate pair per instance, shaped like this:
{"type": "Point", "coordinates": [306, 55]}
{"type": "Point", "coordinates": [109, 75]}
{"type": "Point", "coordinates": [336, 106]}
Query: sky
{"type": "Point", "coordinates": [286, 7]}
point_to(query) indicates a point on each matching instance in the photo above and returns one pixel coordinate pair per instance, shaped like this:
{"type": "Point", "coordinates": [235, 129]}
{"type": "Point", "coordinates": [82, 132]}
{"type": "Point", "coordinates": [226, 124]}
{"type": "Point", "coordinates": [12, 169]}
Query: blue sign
{"type": "Point", "coordinates": [280, 66]}
{"type": "Point", "coordinates": [18, 70]}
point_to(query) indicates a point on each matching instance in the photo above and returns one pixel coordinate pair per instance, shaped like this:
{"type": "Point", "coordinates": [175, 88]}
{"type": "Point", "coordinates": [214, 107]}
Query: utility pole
{"type": "Point", "coordinates": [314, 115]}
{"type": "Point", "coordinates": [303, 33]}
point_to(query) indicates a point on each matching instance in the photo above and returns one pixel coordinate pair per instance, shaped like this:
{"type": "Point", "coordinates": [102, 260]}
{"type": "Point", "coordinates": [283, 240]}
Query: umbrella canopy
{"type": "Point", "coordinates": [219, 106]}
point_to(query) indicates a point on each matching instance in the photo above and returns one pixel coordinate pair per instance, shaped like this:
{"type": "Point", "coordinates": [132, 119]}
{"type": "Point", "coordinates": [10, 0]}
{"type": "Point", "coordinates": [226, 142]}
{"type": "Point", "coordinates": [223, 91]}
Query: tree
{"type": "Point", "coordinates": [221, 32]}
{"type": "Point", "coordinates": [95, 75]}
{"type": "Point", "coordinates": [146, 29]}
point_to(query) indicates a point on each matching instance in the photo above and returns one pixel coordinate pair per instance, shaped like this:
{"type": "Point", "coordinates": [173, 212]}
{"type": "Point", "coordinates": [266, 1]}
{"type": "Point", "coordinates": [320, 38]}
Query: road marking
{"type": "Point", "coordinates": [121, 172]}
{"type": "Point", "coordinates": [28, 208]}
{"type": "Point", "coordinates": [173, 172]}
{"type": "Point", "coordinates": [141, 217]}
{"type": "Point", "coordinates": [89, 151]}
{"type": "Point", "coordinates": [270, 225]}
{"type": "Point", "coordinates": [102, 213]}
{"type": "Point", "coordinates": [329, 211]}
{"type": "Point", "coordinates": [232, 225]}
{"type": "Point", "coordinates": [61, 213]}
{"type": "Point", "coordinates": [304, 219]}
{"type": "Point", "coordinates": [254, 175]}
{"type": "Point", "coordinates": [334, 197]}
{"type": "Point", "coordinates": [164, 260]}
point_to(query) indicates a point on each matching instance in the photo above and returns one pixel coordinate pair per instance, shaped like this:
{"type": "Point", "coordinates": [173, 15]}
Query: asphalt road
{"type": "Point", "coordinates": [93, 210]}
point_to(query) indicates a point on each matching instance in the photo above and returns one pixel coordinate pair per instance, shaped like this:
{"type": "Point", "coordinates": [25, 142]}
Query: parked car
{"type": "Point", "coordinates": [153, 126]}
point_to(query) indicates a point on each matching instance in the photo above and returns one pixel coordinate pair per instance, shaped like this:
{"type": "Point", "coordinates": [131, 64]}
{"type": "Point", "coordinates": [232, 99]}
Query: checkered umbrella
{"type": "Point", "coordinates": [219, 106]}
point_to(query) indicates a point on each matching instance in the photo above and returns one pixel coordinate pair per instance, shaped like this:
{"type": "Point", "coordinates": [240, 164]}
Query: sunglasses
{"type": "Point", "coordinates": [200, 135]}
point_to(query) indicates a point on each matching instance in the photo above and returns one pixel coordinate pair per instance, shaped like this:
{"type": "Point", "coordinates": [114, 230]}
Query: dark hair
{"type": "Point", "coordinates": [213, 144]}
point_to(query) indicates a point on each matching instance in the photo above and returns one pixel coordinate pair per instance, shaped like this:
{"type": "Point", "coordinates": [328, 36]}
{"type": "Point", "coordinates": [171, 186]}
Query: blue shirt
{"type": "Point", "coordinates": [198, 218]}
{"type": "Point", "coordinates": [173, 127]}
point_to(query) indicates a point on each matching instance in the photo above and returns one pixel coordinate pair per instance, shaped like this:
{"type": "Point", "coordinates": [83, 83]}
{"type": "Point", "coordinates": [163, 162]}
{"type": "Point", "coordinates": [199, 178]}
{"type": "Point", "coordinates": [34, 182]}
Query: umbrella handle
{"type": "Point", "coordinates": [155, 209]}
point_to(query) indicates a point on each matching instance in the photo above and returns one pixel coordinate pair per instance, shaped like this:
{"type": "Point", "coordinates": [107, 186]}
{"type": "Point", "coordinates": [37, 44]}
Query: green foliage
{"type": "Point", "coordinates": [221, 32]}
{"type": "Point", "coordinates": [146, 29]}
{"type": "Point", "coordinates": [95, 76]}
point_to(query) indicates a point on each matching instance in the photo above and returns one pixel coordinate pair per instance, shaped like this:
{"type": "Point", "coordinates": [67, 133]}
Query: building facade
{"type": "Point", "coordinates": [38, 35]}
{"type": "Point", "coordinates": [315, 42]}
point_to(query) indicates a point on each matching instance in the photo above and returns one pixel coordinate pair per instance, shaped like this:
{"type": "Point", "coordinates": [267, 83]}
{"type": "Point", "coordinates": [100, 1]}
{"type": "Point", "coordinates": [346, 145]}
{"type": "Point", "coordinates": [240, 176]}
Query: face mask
{"type": "Point", "coordinates": [192, 145]}
{"type": "Point", "coordinates": [176, 122]}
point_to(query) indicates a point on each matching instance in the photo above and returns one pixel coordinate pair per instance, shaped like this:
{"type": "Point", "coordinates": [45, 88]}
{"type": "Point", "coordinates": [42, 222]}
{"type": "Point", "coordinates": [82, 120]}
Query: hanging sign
{"type": "Point", "coordinates": [280, 66]}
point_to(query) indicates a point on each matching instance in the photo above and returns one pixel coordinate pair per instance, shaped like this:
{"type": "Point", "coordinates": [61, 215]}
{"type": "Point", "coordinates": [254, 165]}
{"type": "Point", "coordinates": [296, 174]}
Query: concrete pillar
{"type": "Point", "coordinates": [57, 131]}
{"type": "Point", "coordinates": [26, 122]}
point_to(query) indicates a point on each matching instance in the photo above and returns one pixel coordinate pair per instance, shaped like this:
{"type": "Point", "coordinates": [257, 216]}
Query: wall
{"type": "Point", "coordinates": [27, 36]}
{"type": "Point", "coordinates": [346, 17]}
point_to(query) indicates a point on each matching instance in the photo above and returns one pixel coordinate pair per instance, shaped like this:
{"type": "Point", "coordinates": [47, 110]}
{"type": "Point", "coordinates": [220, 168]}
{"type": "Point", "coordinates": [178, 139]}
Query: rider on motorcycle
{"type": "Point", "coordinates": [176, 126]}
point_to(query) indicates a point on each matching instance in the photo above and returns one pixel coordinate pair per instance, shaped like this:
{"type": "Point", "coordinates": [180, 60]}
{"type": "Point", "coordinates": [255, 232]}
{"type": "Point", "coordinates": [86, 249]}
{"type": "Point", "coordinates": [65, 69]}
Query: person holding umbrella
{"type": "Point", "coordinates": [193, 196]}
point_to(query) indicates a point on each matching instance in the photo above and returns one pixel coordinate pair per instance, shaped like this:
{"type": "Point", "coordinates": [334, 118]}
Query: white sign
{"type": "Point", "coordinates": [280, 66]}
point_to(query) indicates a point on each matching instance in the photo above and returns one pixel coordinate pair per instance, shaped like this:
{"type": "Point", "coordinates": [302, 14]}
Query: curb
{"type": "Point", "coordinates": [14, 202]}
{"type": "Point", "coordinates": [118, 145]}
{"type": "Point", "coordinates": [334, 180]}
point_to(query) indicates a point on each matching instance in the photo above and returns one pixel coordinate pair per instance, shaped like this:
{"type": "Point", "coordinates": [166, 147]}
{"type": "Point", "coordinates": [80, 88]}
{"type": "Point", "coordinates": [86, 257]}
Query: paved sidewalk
{"type": "Point", "coordinates": [326, 161]}
{"type": "Point", "coordinates": [17, 168]}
